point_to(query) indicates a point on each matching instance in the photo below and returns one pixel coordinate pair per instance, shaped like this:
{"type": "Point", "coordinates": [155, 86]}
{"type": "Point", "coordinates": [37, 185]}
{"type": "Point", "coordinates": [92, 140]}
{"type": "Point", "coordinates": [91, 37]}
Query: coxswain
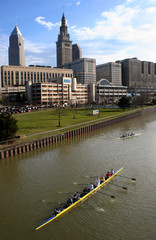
{"type": "Point", "coordinates": [91, 187]}
{"type": "Point", "coordinates": [97, 182]}
{"type": "Point", "coordinates": [69, 201]}
{"type": "Point", "coordinates": [102, 179]}
{"type": "Point", "coordinates": [111, 171]}
{"type": "Point", "coordinates": [107, 175]}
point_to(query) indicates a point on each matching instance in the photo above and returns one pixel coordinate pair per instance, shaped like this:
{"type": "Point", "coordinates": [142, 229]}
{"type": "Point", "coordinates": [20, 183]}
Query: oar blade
{"type": "Point", "coordinates": [134, 179]}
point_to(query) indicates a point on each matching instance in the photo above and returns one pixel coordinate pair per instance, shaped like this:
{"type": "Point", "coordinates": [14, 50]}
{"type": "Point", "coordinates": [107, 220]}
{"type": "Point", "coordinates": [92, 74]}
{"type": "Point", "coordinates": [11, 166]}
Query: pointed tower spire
{"type": "Point", "coordinates": [64, 27]}
{"type": "Point", "coordinates": [64, 45]}
{"type": "Point", "coordinates": [63, 20]}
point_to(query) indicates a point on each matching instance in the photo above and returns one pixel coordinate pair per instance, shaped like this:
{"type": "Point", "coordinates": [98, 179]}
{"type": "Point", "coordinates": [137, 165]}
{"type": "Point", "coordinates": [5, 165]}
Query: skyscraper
{"type": "Point", "coordinates": [64, 45]}
{"type": "Point", "coordinates": [76, 52]}
{"type": "Point", "coordinates": [84, 70]}
{"type": "Point", "coordinates": [111, 71]}
{"type": "Point", "coordinates": [16, 48]}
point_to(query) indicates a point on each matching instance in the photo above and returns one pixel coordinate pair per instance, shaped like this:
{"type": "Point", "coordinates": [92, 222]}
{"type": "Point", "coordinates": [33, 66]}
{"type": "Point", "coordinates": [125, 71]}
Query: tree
{"type": "Point", "coordinates": [124, 102]}
{"type": "Point", "coordinates": [8, 127]}
{"type": "Point", "coordinates": [144, 98]}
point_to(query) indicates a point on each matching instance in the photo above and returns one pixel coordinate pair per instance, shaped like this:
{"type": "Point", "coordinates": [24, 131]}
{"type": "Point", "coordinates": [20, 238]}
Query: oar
{"type": "Point", "coordinates": [75, 183]}
{"type": "Point", "coordinates": [107, 194]}
{"type": "Point", "coordinates": [52, 202]}
{"type": "Point", "coordinates": [118, 186]}
{"type": "Point", "coordinates": [134, 179]}
{"type": "Point", "coordinates": [72, 192]}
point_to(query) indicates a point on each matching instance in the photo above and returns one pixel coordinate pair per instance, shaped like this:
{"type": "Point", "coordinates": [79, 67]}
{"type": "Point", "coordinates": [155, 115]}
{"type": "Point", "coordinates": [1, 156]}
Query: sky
{"type": "Point", "coordinates": [105, 30]}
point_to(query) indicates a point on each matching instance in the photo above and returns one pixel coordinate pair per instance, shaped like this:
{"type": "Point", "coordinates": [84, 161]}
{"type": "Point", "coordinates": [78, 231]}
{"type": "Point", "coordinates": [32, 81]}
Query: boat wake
{"type": "Point", "coordinates": [99, 209]}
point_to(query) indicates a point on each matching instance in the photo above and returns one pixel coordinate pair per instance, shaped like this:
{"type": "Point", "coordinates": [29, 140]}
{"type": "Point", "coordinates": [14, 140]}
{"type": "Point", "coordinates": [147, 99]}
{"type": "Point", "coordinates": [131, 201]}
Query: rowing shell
{"type": "Point", "coordinates": [130, 136]}
{"type": "Point", "coordinates": [79, 201]}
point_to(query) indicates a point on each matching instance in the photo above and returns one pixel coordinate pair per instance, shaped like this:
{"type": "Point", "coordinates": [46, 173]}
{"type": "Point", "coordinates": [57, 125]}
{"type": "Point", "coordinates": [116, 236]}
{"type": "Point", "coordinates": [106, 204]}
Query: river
{"type": "Point", "coordinates": [32, 184]}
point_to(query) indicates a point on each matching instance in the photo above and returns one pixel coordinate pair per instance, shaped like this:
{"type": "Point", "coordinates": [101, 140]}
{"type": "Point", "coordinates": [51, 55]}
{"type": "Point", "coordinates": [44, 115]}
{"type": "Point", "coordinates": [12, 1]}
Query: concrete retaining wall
{"type": "Point", "coordinates": [29, 146]}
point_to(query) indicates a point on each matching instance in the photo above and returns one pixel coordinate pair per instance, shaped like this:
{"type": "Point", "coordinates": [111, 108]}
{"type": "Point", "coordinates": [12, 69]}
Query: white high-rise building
{"type": "Point", "coordinates": [16, 48]}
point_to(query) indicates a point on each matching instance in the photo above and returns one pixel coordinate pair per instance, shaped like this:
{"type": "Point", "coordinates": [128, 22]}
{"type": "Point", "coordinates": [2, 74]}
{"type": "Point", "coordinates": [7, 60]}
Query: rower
{"type": "Point", "coordinates": [111, 171]}
{"type": "Point", "coordinates": [85, 191]}
{"type": "Point", "coordinates": [107, 175]}
{"type": "Point", "coordinates": [76, 197]}
{"type": "Point", "coordinates": [97, 182]}
{"type": "Point", "coordinates": [91, 187]}
{"type": "Point", "coordinates": [56, 211]}
{"type": "Point", "coordinates": [69, 201]}
{"type": "Point", "coordinates": [102, 179]}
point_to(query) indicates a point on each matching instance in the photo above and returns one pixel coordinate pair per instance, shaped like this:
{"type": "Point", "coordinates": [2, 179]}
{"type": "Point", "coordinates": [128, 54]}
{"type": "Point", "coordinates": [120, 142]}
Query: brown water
{"type": "Point", "coordinates": [31, 183]}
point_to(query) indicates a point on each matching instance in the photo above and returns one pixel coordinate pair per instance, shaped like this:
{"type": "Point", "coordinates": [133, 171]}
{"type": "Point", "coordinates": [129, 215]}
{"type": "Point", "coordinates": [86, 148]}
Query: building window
{"type": "Point", "coordinates": [22, 78]}
{"type": "Point", "coordinates": [28, 76]}
{"type": "Point", "coordinates": [17, 77]}
{"type": "Point", "coordinates": [35, 77]}
{"type": "Point", "coordinates": [149, 68]}
{"type": "Point", "coordinates": [31, 76]}
{"type": "Point", "coordinates": [142, 67]}
{"type": "Point", "coordinates": [12, 78]}
{"type": "Point", "coordinates": [25, 77]}
{"type": "Point", "coordinates": [8, 78]}
{"type": "Point", "coordinates": [5, 78]}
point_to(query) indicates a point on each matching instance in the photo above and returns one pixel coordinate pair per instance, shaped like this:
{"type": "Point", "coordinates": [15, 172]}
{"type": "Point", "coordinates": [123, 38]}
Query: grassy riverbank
{"type": "Point", "coordinates": [38, 124]}
{"type": "Point", "coordinates": [47, 120]}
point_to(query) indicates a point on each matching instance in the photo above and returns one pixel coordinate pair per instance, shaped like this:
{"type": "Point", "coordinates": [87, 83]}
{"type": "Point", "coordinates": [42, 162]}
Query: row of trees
{"type": "Point", "coordinates": [135, 101]}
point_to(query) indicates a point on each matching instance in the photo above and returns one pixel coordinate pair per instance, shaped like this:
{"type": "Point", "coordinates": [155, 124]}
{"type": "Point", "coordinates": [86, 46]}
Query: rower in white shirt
{"type": "Point", "coordinates": [97, 182]}
{"type": "Point", "coordinates": [91, 187]}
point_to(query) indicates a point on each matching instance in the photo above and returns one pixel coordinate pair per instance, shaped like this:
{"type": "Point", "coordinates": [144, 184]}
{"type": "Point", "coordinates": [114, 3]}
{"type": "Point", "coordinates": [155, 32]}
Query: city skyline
{"type": "Point", "coordinates": [106, 31]}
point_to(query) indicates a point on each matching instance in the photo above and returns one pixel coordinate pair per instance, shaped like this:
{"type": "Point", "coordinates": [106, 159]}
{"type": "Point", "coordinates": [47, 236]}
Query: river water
{"type": "Point", "coordinates": [31, 185]}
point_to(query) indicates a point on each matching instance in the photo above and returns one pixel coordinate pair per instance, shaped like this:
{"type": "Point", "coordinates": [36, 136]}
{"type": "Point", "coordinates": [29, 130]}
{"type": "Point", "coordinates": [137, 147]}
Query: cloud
{"type": "Point", "coordinates": [34, 47]}
{"type": "Point", "coordinates": [132, 28]}
{"type": "Point", "coordinates": [48, 25]}
{"type": "Point", "coordinates": [39, 53]}
{"type": "Point", "coordinates": [78, 3]}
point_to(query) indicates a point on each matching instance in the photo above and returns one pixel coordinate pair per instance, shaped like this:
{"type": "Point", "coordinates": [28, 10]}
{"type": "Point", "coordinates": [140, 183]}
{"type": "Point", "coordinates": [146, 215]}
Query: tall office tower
{"type": "Point", "coordinates": [84, 70]}
{"type": "Point", "coordinates": [137, 74]}
{"type": "Point", "coordinates": [76, 52]}
{"type": "Point", "coordinates": [64, 45]}
{"type": "Point", "coordinates": [16, 48]}
{"type": "Point", "coordinates": [111, 71]}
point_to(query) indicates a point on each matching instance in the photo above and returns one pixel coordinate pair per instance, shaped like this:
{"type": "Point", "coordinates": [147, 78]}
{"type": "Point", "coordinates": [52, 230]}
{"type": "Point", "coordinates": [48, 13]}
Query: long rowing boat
{"type": "Point", "coordinates": [129, 136]}
{"type": "Point", "coordinates": [63, 210]}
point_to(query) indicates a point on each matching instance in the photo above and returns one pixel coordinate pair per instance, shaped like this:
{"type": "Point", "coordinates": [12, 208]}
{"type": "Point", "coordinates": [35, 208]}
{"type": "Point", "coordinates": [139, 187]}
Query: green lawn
{"type": "Point", "coordinates": [46, 120]}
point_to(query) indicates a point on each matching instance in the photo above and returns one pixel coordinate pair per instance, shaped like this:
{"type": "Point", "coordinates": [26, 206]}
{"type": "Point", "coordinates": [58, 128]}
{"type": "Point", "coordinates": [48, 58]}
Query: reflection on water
{"type": "Point", "coordinates": [33, 183]}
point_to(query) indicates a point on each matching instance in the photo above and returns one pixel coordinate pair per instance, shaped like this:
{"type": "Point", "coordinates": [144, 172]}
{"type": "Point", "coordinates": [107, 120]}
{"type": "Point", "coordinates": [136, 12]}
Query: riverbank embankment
{"type": "Point", "coordinates": [77, 131]}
